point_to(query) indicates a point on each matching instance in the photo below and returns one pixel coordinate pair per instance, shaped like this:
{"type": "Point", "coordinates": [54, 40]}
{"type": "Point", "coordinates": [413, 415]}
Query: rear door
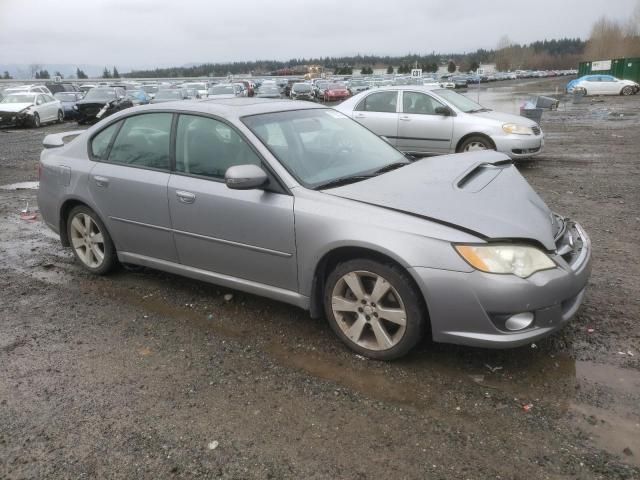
{"type": "Point", "coordinates": [378, 112]}
{"type": "Point", "coordinates": [129, 184]}
{"type": "Point", "coordinates": [420, 128]}
{"type": "Point", "coordinates": [247, 234]}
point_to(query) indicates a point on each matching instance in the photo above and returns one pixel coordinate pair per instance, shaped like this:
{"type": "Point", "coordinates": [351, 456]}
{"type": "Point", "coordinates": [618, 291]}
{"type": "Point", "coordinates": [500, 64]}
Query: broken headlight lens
{"type": "Point", "coordinates": [522, 261]}
{"type": "Point", "coordinates": [514, 128]}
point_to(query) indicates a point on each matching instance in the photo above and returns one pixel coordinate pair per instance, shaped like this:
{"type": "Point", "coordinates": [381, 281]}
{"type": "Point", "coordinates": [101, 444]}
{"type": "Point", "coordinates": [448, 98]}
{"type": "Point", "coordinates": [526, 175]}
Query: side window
{"type": "Point", "coordinates": [39, 100]}
{"type": "Point", "coordinates": [205, 146]}
{"type": "Point", "coordinates": [100, 143]}
{"type": "Point", "coordinates": [379, 102]}
{"type": "Point", "coordinates": [419, 103]}
{"type": "Point", "coordinates": [143, 141]}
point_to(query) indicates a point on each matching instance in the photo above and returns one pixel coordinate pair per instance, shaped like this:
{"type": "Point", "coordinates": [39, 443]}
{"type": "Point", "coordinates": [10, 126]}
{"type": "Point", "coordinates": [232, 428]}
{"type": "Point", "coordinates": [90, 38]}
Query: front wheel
{"type": "Point", "coordinates": [90, 241]}
{"type": "Point", "coordinates": [35, 121]}
{"type": "Point", "coordinates": [60, 116]}
{"type": "Point", "coordinates": [374, 308]}
{"type": "Point", "coordinates": [627, 91]}
{"type": "Point", "coordinates": [476, 143]}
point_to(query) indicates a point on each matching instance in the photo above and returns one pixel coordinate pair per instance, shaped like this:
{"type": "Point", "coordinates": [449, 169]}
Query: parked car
{"type": "Point", "coordinates": [68, 100]}
{"type": "Point", "coordinates": [100, 102]}
{"type": "Point", "coordinates": [268, 91]}
{"type": "Point", "coordinates": [27, 89]}
{"type": "Point", "coordinates": [459, 81]}
{"type": "Point", "coordinates": [196, 89]}
{"type": "Point", "coordinates": [357, 86]}
{"type": "Point", "coordinates": [315, 210]}
{"type": "Point", "coordinates": [603, 85]}
{"type": "Point", "coordinates": [301, 91]}
{"type": "Point", "coordinates": [318, 89]}
{"type": "Point", "coordinates": [61, 87]}
{"type": "Point", "coordinates": [150, 90]}
{"type": "Point", "coordinates": [335, 92]}
{"type": "Point", "coordinates": [427, 121]}
{"type": "Point", "coordinates": [225, 90]}
{"type": "Point", "coordinates": [30, 109]}
{"type": "Point", "coordinates": [138, 97]}
{"type": "Point", "coordinates": [172, 95]}
{"type": "Point", "coordinates": [249, 87]}
{"type": "Point", "coordinates": [86, 87]}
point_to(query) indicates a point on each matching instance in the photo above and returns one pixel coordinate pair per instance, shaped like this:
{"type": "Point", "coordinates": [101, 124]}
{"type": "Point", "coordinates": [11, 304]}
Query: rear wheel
{"type": "Point", "coordinates": [374, 308]}
{"type": "Point", "coordinates": [35, 121]}
{"type": "Point", "coordinates": [476, 143]}
{"type": "Point", "coordinates": [90, 241]}
{"type": "Point", "coordinates": [627, 91]}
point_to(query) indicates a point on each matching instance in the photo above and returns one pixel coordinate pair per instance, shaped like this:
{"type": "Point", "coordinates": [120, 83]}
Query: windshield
{"type": "Point", "coordinates": [358, 83]}
{"type": "Point", "coordinates": [459, 101]}
{"type": "Point", "coordinates": [66, 97]}
{"type": "Point", "coordinates": [222, 90]}
{"type": "Point", "coordinates": [168, 94]}
{"type": "Point", "coordinates": [19, 99]}
{"type": "Point", "coordinates": [301, 87]}
{"type": "Point", "coordinates": [195, 86]}
{"type": "Point", "coordinates": [319, 146]}
{"type": "Point", "coordinates": [336, 86]}
{"type": "Point", "coordinates": [100, 94]}
{"type": "Point", "coordinates": [150, 88]}
{"type": "Point", "coordinates": [269, 89]}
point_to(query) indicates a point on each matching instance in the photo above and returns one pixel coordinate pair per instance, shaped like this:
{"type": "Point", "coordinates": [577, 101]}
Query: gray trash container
{"type": "Point", "coordinates": [547, 102]}
{"type": "Point", "coordinates": [530, 111]}
{"type": "Point", "coordinates": [578, 95]}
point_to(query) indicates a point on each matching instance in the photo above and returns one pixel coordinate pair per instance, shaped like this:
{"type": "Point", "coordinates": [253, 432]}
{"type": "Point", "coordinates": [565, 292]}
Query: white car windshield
{"type": "Point", "coordinates": [19, 99]}
{"type": "Point", "coordinates": [322, 147]}
{"type": "Point", "coordinates": [460, 101]}
{"type": "Point", "coordinates": [100, 94]}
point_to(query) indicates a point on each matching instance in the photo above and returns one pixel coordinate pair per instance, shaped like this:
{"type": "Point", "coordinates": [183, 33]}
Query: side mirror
{"type": "Point", "coordinates": [245, 177]}
{"type": "Point", "coordinates": [443, 111]}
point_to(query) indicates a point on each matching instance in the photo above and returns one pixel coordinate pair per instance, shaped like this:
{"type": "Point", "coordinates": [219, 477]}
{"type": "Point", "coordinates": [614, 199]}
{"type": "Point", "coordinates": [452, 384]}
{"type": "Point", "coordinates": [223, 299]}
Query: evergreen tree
{"type": "Point", "coordinates": [451, 68]}
{"type": "Point", "coordinates": [115, 73]}
{"type": "Point", "coordinates": [390, 69]}
{"type": "Point", "coordinates": [106, 73]}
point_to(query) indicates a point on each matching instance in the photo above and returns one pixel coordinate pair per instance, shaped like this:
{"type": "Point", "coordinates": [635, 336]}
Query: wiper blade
{"type": "Point", "coordinates": [478, 110]}
{"type": "Point", "coordinates": [341, 181]}
{"type": "Point", "coordinates": [391, 166]}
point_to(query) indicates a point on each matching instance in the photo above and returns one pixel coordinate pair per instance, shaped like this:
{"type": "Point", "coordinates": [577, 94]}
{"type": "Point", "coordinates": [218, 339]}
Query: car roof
{"type": "Point", "coordinates": [232, 108]}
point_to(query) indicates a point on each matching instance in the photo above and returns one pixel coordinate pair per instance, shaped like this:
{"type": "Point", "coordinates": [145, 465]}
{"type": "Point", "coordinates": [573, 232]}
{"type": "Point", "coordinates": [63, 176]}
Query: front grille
{"type": "Point", "coordinates": [536, 130]}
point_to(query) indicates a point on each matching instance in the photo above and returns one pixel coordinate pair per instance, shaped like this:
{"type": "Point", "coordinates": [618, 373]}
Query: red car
{"type": "Point", "coordinates": [249, 86]}
{"type": "Point", "coordinates": [336, 91]}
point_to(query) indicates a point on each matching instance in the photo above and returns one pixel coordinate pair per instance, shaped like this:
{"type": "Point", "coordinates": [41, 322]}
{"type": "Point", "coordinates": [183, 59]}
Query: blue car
{"type": "Point", "coordinates": [138, 97]}
{"type": "Point", "coordinates": [68, 101]}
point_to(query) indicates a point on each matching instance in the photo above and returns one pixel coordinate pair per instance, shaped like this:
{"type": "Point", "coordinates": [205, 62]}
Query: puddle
{"type": "Point", "coordinates": [21, 186]}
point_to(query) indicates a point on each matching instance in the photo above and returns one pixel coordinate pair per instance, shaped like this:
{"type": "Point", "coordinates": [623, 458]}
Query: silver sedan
{"type": "Point", "coordinates": [301, 204]}
{"type": "Point", "coordinates": [426, 121]}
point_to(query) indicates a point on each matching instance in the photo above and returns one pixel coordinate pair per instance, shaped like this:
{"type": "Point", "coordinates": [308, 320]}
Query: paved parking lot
{"type": "Point", "coordinates": [147, 375]}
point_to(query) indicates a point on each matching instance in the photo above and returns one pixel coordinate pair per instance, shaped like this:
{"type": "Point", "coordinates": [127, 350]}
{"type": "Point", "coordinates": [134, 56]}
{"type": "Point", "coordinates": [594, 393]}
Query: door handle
{"type": "Point", "coordinates": [405, 119]}
{"type": "Point", "coordinates": [101, 181]}
{"type": "Point", "coordinates": [360, 115]}
{"type": "Point", "coordinates": [185, 197]}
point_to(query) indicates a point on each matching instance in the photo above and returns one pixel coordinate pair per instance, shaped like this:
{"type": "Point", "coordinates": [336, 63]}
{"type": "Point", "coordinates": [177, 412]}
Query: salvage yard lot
{"type": "Point", "coordinates": [138, 374]}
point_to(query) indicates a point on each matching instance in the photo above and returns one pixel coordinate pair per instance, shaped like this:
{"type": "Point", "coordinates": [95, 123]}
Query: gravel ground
{"type": "Point", "coordinates": [148, 375]}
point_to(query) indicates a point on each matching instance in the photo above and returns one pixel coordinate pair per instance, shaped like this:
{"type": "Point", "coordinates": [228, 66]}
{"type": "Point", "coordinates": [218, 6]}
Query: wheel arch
{"type": "Point", "coordinates": [474, 134]}
{"type": "Point", "coordinates": [342, 254]}
{"type": "Point", "coordinates": [65, 209]}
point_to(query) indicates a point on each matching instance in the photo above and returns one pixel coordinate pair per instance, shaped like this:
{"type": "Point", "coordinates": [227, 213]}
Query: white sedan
{"type": "Point", "coordinates": [423, 120]}
{"type": "Point", "coordinates": [604, 85]}
{"type": "Point", "coordinates": [32, 109]}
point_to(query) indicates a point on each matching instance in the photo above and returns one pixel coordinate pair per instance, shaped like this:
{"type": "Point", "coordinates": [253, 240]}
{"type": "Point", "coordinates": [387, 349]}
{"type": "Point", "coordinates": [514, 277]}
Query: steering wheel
{"type": "Point", "coordinates": [342, 146]}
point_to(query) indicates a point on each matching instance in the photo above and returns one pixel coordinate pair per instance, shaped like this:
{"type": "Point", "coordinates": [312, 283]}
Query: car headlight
{"type": "Point", "coordinates": [514, 128]}
{"type": "Point", "coordinates": [518, 260]}
{"type": "Point", "coordinates": [75, 107]}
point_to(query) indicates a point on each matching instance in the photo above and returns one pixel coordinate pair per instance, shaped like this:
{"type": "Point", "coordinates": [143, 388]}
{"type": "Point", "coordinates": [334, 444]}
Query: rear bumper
{"type": "Point", "coordinates": [470, 308]}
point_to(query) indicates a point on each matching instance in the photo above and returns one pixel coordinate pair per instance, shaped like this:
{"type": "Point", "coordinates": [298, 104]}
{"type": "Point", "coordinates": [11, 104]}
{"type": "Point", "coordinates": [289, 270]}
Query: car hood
{"type": "Point", "coordinates": [481, 193]}
{"type": "Point", "coordinates": [14, 107]}
{"type": "Point", "coordinates": [504, 118]}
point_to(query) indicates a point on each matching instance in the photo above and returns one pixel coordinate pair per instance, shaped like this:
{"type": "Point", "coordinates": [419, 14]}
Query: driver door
{"type": "Point", "coordinates": [247, 234]}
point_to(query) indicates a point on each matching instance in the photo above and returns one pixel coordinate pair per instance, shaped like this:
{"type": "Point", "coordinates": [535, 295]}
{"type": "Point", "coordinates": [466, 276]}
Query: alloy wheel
{"type": "Point", "coordinates": [369, 310]}
{"type": "Point", "coordinates": [87, 240]}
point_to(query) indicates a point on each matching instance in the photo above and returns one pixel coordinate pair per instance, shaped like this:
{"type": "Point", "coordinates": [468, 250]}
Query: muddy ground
{"type": "Point", "coordinates": [142, 374]}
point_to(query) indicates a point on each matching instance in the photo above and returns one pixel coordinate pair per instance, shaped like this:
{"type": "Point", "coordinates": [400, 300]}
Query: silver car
{"type": "Point", "coordinates": [30, 109]}
{"type": "Point", "coordinates": [301, 204]}
{"type": "Point", "coordinates": [426, 121]}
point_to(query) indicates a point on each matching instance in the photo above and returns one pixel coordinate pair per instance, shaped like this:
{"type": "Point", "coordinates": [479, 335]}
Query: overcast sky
{"type": "Point", "coordinates": [170, 32]}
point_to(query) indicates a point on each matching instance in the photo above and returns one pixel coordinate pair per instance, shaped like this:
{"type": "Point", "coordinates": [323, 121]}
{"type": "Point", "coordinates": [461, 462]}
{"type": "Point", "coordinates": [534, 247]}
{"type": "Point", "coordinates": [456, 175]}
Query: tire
{"type": "Point", "coordinates": [35, 121]}
{"type": "Point", "coordinates": [95, 254]}
{"type": "Point", "coordinates": [60, 116]}
{"type": "Point", "coordinates": [476, 142]}
{"type": "Point", "coordinates": [626, 91]}
{"type": "Point", "coordinates": [381, 327]}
